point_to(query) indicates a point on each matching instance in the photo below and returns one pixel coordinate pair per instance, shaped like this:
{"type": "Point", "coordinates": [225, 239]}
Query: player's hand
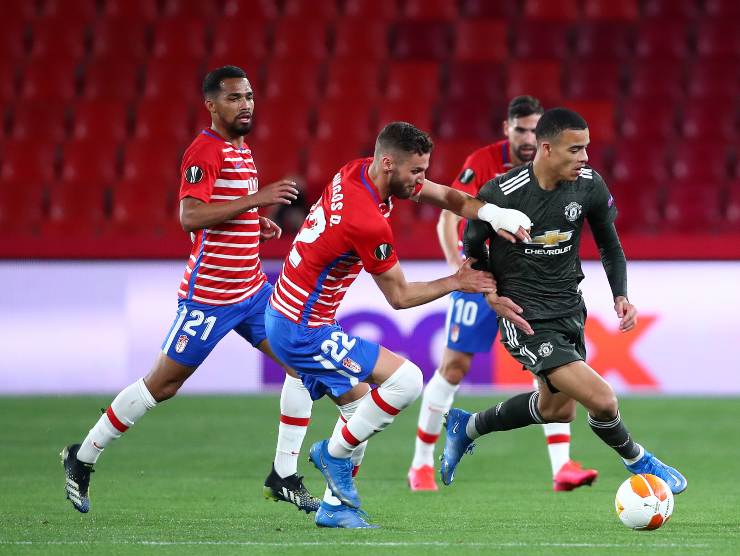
{"type": "Point", "coordinates": [626, 312]}
{"type": "Point", "coordinates": [474, 281]}
{"type": "Point", "coordinates": [521, 234]}
{"type": "Point", "coordinates": [510, 224]}
{"type": "Point", "coordinates": [506, 308]}
{"type": "Point", "coordinates": [281, 192]}
{"type": "Point", "coordinates": [269, 230]}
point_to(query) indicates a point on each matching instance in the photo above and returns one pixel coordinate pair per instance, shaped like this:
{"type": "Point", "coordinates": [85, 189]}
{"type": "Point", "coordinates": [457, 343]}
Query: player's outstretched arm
{"type": "Point", "coordinates": [196, 215]}
{"type": "Point", "coordinates": [509, 223]}
{"type": "Point", "coordinates": [402, 294]}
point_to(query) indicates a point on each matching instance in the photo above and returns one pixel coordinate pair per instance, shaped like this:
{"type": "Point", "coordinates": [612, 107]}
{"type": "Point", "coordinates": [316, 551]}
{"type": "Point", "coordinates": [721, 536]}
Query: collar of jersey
{"type": "Point", "coordinates": [369, 185]}
{"type": "Point", "coordinates": [215, 135]}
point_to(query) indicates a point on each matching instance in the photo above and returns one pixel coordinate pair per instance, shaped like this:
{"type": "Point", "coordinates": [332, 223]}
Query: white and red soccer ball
{"type": "Point", "coordinates": [644, 502]}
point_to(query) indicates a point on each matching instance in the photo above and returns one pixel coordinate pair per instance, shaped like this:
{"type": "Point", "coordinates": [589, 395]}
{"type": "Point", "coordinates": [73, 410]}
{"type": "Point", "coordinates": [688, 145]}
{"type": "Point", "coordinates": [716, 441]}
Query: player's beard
{"type": "Point", "coordinates": [241, 129]}
{"type": "Point", "coordinates": [524, 155]}
{"type": "Point", "coordinates": [397, 187]}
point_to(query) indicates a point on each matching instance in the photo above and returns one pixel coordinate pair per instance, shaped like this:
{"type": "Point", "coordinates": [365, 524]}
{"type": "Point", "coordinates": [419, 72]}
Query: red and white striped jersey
{"type": "Point", "coordinates": [224, 265]}
{"type": "Point", "coordinates": [346, 230]}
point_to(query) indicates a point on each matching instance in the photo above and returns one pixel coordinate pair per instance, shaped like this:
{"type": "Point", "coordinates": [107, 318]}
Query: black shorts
{"type": "Point", "coordinates": [556, 342]}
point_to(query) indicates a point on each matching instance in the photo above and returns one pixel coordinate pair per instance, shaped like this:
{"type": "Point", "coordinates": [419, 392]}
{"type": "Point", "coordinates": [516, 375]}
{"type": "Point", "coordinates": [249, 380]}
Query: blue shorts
{"type": "Point", "coordinates": [199, 327]}
{"type": "Point", "coordinates": [328, 360]}
{"type": "Point", "coordinates": [471, 324]}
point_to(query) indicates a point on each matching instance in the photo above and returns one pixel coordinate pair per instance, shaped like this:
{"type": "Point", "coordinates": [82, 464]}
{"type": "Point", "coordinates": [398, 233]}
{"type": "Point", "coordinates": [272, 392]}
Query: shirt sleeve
{"type": "Point", "coordinates": [472, 175]}
{"type": "Point", "coordinates": [199, 171]}
{"type": "Point", "coordinates": [601, 209]}
{"type": "Point", "coordinates": [373, 243]}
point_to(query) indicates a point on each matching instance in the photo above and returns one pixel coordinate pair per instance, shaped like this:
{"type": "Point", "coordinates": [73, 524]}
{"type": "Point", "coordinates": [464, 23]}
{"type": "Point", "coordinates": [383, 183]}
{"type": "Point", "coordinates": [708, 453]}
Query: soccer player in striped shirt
{"type": "Point", "coordinates": [471, 324]}
{"type": "Point", "coordinates": [223, 287]}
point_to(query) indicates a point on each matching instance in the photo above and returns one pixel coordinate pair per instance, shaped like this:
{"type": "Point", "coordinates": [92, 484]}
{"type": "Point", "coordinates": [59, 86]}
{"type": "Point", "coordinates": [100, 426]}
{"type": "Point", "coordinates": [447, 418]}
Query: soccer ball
{"type": "Point", "coordinates": [644, 502]}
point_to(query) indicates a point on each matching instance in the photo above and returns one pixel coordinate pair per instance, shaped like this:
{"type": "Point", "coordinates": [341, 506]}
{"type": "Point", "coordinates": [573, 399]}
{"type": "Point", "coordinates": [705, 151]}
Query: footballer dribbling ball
{"type": "Point", "coordinates": [644, 502]}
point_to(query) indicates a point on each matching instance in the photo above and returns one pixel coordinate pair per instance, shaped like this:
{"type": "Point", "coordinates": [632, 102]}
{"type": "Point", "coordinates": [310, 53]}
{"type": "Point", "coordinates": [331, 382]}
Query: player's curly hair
{"type": "Point", "coordinates": [212, 81]}
{"type": "Point", "coordinates": [403, 136]}
{"type": "Point", "coordinates": [556, 120]}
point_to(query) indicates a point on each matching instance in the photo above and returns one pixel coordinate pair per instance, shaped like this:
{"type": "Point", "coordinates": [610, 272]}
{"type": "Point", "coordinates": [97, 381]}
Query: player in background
{"type": "Point", "coordinates": [223, 287]}
{"type": "Point", "coordinates": [471, 323]}
{"type": "Point", "coordinates": [558, 191]}
{"type": "Point", "coordinates": [347, 230]}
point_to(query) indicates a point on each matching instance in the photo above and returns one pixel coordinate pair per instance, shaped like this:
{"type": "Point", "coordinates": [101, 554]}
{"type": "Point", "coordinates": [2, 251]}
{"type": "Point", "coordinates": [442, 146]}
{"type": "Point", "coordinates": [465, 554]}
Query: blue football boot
{"type": "Point", "coordinates": [648, 463]}
{"type": "Point", "coordinates": [457, 443]}
{"type": "Point", "coordinates": [342, 517]}
{"type": "Point", "coordinates": [337, 472]}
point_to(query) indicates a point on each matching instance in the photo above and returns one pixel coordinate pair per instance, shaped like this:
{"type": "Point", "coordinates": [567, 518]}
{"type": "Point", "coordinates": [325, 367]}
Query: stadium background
{"type": "Point", "coordinates": [100, 98]}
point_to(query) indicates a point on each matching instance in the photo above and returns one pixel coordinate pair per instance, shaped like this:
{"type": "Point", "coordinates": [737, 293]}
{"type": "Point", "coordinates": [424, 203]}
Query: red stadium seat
{"type": "Point", "coordinates": [421, 40]}
{"type": "Point", "coordinates": [415, 111]}
{"type": "Point", "coordinates": [599, 155]}
{"type": "Point", "coordinates": [714, 79]}
{"type": "Point", "coordinates": [692, 207]}
{"type": "Point", "coordinates": [670, 9]}
{"type": "Point", "coordinates": [345, 119]}
{"type": "Point", "coordinates": [44, 81]}
{"type": "Point", "coordinates": [372, 10]}
{"type": "Point", "coordinates": [20, 11]}
{"type": "Point", "coordinates": [21, 207]}
{"type": "Point", "coordinates": [74, 211]}
{"type": "Point", "coordinates": [593, 80]}
{"type": "Point", "coordinates": [433, 10]}
{"type": "Point", "coordinates": [102, 120]}
{"type": "Point", "coordinates": [604, 40]}
{"type": "Point", "coordinates": [158, 80]}
{"type": "Point", "coordinates": [152, 162]}
{"type": "Point", "coordinates": [247, 37]}
{"type": "Point", "coordinates": [660, 82]}
{"type": "Point", "coordinates": [120, 40]}
{"type": "Point", "coordinates": [323, 159]}
{"type": "Point", "coordinates": [285, 76]}
{"type": "Point", "coordinates": [193, 8]}
{"type": "Point", "coordinates": [90, 161]}
{"type": "Point", "coordinates": [51, 116]}
{"type": "Point", "coordinates": [302, 37]}
{"type": "Point", "coordinates": [140, 10]}
{"type": "Point", "coordinates": [9, 73]}
{"type": "Point", "coordinates": [718, 38]}
{"type": "Point", "coordinates": [539, 79]}
{"type": "Point", "coordinates": [168, 39]}
{"type": "Point", "coordinates": [711, 120]}
{"type": "Point", "coordinates": [31, 160]}
{"type": "Point", "coordinates": [481, 41]}
{"type": "Point", "coordinates": [345, 81]}
{"type": "Point", "coordinates": [475, 80]}
{"type": "Point", "coordinates": [466, 120]}
{"type": "Point", "coordinates": [541, 40]}
{"type": "Point", "coordinates": [139, 208]}
{"type": "Point", "coordinates": [700, 161]}
{"type": "Point", "coordinates": [412, 80]}
{"type": "Point", "coordinates": [111, 79]}
{"type": "Point", "coordinates": [12, 44]}
{"type": "Point", "coordinates": [625, 10]}
{"type": "Point", "coordinates": [648, 120]}
{"type": "Point", "coordinates": [662, 41]}
{"type": "Point", "coordinates": [325, 9]}
{"type": "Point", "coordinates": [565, 10]}
{"type": "Point", "coordinates": [639, 206]}
{"type": "Point", "coordinates": [84, 10]}
{"type": "Point", "coordinates": [251, 11]}
{"type": "Point", "coordinates": [448, 158]}
{"type": "Point", "coordinates": [722, 8]}
{"type": "Point", "coordinates": [599, 116]}
{"type": "Point", "coordinates": [277, 158]}
{"type": "Point", "coordinates": [169, 121]}
{"type": "Point", "coordinates": [488, 9]}
{"type": "Point", "coordinates": [639, 162]}
{"type": "Point", "coordinates": [281, 117]}
{"type": "Point", "coordinates": [360, 39]}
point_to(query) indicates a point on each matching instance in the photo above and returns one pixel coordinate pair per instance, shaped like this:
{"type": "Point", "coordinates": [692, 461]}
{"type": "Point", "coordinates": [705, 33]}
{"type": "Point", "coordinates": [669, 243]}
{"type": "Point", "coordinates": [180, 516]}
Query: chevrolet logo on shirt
{"type": "Point", "coordinates": [551, 238]}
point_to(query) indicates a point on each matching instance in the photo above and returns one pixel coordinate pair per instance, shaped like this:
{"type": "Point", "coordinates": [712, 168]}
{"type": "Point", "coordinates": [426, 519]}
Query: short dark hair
{"type": "Point", "coordinates": [556, 120]}
{"type": "Point", "coordinates": [405, 137]}
{"type": "Point", "coordinates": [212, 81]}
{"type": "Point", "coordinates": [523, 106]}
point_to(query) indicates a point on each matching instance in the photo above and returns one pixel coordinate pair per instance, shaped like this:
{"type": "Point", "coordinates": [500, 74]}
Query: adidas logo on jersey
{"type": "Point", "coordinates": [512, 184]}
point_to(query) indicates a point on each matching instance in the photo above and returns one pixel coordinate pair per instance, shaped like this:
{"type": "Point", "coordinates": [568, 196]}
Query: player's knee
{"type": "Point", "coordinates": [605, 406]}
{"type": "Point", "coordinates": [164, 391]}
{"type": "Point", "coordinates": [405, 384]}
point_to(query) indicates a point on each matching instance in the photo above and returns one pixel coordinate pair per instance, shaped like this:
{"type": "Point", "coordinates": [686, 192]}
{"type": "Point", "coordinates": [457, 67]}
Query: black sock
{"type": "Point", "coordinates": [615, 435]}
{"type": "Point", "coordinates": [514, 413]}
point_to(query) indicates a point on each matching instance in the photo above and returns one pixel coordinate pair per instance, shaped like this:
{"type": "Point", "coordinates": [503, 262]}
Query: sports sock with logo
{"type": "Point", "coordinates": [295, 415]}
{"type": "Point", "coordinates": [514, 413]}
{"type": "Point", "coordinates": [615, 435]}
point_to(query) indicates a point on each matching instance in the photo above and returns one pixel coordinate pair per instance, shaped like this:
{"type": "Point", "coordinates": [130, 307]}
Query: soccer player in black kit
{"type": "Point", "coordinates": [557, 191]}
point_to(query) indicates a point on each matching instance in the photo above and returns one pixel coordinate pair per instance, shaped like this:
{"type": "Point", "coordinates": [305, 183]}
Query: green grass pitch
{"type": "Point", "coordinates": [187, 480]}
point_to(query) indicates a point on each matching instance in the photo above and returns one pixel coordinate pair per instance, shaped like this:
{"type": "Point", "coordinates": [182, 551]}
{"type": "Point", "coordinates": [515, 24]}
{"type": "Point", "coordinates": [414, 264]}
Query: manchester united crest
{"type": "Point", "coordinates": [573, 211]}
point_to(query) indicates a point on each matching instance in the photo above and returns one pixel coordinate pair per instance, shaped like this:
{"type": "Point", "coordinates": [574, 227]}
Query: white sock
{"type": "Point", "coordinates": [437, 400]}
{"type": "Point", "coordinates": [295, 414]}
{"type": "Point", "coordinates": [637, 458]}
{"type": "Point", "coordinates": [558, 444]}
{"type": "Point", "coordinates": [378, 410]}
{"type": "Point", "coordinates": [345, 413]}
{"type": "Point", "coordinates": [470, 429]}
{"type": "Point", "coordinates": [127, 408]}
